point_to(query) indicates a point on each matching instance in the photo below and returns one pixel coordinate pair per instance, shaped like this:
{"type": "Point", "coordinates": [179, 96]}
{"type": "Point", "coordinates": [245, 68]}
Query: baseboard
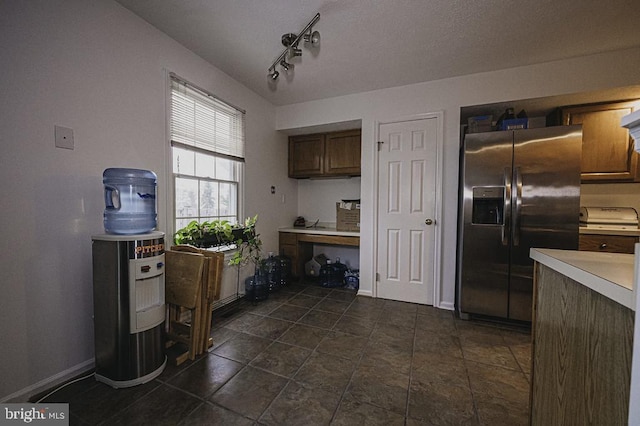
{"type": "Point", "coordinates": [367, 293]}
{"type": "Point", "coordinates": [23, 395]}
{"type": "Point", "coordinates": [447, 305]}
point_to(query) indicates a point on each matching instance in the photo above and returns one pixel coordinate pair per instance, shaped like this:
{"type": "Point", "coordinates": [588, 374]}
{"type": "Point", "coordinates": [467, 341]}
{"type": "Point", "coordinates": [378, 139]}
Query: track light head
{"type": "Point", "coordinates": [293, 52]}
{"type": "Point", "coordinates": [286, 65]}
{"type": "Point", "coordinates": [273, 74]}
{"type": "Point", "coordinates": [313, 38]}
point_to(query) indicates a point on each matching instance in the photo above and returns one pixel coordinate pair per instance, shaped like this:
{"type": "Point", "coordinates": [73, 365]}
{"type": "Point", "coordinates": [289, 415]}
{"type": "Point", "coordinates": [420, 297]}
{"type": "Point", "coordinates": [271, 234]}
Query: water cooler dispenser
{"type": "Point", "coordinates": [129, 307]}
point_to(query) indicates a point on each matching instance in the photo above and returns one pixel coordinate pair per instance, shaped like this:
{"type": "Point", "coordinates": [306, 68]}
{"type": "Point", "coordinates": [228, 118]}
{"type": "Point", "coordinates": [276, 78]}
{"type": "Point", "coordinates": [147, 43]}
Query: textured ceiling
{"type": "Point", "coordinates": [373, 44]}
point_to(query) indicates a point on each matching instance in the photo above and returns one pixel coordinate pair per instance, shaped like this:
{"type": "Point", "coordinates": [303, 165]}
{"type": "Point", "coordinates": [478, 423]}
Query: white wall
{"type": "Point", "coordinates": [597, 72]}
{"type": "Point", "coordinates": [99, 69]}
{"type": "Point", "coordinates": [317, 198]}
{"type": "Point", "coordinates": [611, 195]}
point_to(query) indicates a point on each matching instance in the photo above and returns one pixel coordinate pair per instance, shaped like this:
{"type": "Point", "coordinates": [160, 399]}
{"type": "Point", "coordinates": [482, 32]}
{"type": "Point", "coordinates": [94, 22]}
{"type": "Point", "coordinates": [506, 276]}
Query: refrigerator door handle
{"type": "Point", "coordinates": [506, 211]}
{"type": "Point", "coordinates": [518, 206]}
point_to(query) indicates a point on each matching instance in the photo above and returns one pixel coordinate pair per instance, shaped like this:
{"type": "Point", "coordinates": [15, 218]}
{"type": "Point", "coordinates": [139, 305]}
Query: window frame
{"type": "Point", "coordinates": [173, 175]}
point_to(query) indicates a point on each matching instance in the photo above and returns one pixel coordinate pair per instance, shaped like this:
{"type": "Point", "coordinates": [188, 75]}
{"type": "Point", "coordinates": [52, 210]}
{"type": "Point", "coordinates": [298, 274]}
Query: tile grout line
{"type": "Point", "coordinates": [355, 368]}
{"type": "Point", "coordinates": [466, 368]}
{"type": "Point", "coordinates": [292, 378]}
{"type": "Point", "coordinates": [413, 352]}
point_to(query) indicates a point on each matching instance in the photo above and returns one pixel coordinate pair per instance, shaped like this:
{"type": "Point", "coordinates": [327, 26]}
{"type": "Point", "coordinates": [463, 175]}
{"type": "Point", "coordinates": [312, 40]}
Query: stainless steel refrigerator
{"type": "Point", "coordinates": [518, 189]}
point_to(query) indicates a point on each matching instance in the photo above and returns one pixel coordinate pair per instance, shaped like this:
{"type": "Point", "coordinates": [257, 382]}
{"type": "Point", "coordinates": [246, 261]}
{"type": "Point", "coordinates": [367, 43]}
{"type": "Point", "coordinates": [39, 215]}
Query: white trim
{"type": "Point", "coordinates": [374, 205]}
{"type": "Point", "coordinates": [438, 233]}
{"type": "Point", "coordinates": [24, 394]}
{"type": "Point", "coordinates": [437, 285]}
{"type": "Point", "coordinates": [365, 293]}
{"type": "Point", "coordinates": [449, 306]}
{"type": "Point", "coordinates": [168, 161]}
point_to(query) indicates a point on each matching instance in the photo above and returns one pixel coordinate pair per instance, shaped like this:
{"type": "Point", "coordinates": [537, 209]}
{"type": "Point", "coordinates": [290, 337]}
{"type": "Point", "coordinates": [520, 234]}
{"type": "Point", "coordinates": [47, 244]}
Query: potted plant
{"type": "Point", "coordinates": [249, 250]}
{"type": "Point", "coordinates": [209, 234]}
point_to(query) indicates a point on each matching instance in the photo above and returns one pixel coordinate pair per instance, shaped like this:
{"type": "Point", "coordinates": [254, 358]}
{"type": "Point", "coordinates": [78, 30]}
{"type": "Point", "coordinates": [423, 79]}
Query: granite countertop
{"type": "Point", "coordinates": [610, 274]}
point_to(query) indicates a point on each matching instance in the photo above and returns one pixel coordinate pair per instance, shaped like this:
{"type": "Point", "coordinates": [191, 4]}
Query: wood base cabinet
{"type": "Point", "coordinates": [582, 348]}
{"type": "Point", "coordinates": [299, 247]}
{"type": "Point", "coordinates": [299, 254]}
{"type": "Point", "coordinates": [608, 243]}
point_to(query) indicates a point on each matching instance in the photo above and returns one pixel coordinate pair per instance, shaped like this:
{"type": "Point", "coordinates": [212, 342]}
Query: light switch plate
{"type": "Point", "coordinates": [64, 137]}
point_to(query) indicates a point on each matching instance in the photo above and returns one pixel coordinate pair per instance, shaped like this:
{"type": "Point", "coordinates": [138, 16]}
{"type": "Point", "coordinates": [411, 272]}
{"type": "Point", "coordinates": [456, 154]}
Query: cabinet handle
{"type": "Point", "coordinates": [603, 246]}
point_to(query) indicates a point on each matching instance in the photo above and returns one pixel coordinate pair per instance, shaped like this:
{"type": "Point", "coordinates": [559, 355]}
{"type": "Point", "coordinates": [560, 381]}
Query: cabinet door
{"type": "Point", "coordinates": [607, 148]}
{"type": "Point", "coordinates": [342, 153]}
{"type": "Point", "coordinates": [306, 154]}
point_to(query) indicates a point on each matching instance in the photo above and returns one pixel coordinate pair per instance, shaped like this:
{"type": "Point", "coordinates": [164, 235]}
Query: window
{"type": "Point", "coordinates": [207, 149]}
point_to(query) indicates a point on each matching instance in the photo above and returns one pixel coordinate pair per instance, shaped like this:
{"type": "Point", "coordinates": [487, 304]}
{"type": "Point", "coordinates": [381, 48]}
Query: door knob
{"type": "Point", "coordinates": [428, 222]}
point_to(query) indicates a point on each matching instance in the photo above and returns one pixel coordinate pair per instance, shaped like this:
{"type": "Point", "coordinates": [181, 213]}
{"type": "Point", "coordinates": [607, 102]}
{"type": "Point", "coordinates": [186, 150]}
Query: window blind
{"type": "Point", "coordinates": [201, 120]}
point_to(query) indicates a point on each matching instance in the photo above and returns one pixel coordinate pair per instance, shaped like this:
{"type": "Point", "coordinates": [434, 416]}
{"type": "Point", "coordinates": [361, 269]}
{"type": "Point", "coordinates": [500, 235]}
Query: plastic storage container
{"type": "Point", "coordinates": [130, 201]}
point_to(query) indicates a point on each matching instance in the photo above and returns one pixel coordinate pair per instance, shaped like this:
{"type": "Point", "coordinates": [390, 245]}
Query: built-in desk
{"type": "Point", "coordinates": [297, 243]}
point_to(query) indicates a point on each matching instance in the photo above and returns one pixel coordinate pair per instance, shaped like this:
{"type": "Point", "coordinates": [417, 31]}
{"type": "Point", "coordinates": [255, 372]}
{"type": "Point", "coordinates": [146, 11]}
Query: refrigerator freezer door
{"type": "Point", "coordinates": [483, 254]}
{"type": "Point", "coordinates": [546, 209]}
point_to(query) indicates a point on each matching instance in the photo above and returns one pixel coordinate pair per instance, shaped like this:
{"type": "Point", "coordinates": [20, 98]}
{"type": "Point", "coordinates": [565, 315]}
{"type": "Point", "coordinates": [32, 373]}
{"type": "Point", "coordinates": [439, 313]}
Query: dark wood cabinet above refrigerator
{"type": "Point", "coordinates": [608, 153]}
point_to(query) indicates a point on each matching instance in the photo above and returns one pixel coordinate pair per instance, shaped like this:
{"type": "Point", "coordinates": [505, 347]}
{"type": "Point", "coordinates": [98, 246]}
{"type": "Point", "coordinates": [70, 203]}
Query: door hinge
{"type": "Point", "coordinates": [377, 276]}
{"type": "Point", "coordinates": [380, 145]}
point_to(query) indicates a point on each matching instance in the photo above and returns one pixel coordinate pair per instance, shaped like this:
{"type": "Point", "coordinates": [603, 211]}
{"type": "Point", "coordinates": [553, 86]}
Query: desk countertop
{"type": "Point", "coordinates": [610, 274]}
{"type": "Point", "coordinates": [320, 230]}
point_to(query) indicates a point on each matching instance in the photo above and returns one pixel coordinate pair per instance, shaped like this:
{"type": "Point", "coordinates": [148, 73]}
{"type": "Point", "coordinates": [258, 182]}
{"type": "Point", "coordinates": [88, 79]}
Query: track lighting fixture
{"type": "Point", "coordinates": [286, 65]}
{"type": "Point", "coordinates": [293, 52]}
{"type": "Point", "coordinates": [290, 42]}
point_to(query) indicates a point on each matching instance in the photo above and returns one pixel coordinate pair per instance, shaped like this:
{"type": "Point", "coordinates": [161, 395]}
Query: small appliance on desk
{"type": "Point", "coordinates": [608, 217]}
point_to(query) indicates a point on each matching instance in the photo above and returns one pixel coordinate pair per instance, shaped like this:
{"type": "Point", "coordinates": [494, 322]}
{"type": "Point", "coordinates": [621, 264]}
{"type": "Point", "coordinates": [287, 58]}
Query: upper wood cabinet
{"type": "Point", "coordinates": [306, 156]}
{"type": "Point", "coordinates": [325, 155]}
{"type": "Point", "coordinates": [607, 148]}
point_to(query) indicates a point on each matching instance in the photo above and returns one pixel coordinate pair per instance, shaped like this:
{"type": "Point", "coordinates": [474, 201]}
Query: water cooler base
{"type": "Point", "coordinates": [133, 382]}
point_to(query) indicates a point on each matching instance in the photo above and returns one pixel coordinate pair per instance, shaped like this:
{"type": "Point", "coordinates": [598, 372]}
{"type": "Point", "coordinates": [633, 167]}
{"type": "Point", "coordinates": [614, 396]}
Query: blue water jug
{"type": "Point", "coordinates": [285, 269]}
{"type": "Point", "coordinates": [340, 270]}
{"type": "Point", "coordinates": [130, 201]}
{"type": "Point", "coordinates": [329, 275]}
{"type": "Point", "coordinates": [272, 268]}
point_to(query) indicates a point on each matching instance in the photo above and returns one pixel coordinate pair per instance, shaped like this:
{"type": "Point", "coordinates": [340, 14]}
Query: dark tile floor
{"type": "Point", "coordinates": [315, 356]}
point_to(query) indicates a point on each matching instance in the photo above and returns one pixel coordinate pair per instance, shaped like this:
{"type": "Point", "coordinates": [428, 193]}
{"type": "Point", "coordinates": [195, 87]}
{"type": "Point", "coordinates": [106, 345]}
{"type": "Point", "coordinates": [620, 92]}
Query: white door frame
{"type": "Point", "coordinates": [437, 252]}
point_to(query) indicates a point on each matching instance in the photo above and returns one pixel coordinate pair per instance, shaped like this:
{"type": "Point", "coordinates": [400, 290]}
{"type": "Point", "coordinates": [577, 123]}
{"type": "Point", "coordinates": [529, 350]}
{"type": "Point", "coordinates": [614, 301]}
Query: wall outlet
{"type": "Point", "coordinates": [64, 137]}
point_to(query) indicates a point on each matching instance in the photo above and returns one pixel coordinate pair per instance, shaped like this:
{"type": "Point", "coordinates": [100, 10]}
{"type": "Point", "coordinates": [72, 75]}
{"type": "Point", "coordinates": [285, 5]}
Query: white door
{"type": "Point", "coordinates": [407, 175]}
